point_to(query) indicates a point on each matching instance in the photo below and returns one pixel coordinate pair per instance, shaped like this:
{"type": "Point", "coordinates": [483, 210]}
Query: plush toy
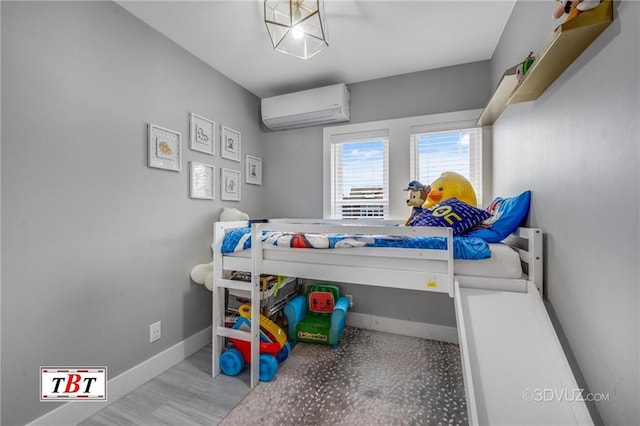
{"type": "Point", "coordinates": [450, 185]}
{"type": "Point", "coordinates": [203, 274]}
{"type": "Point", "coordinates": [573, 8]}
{"type": "Point", "coordinates": [417, 196]}
{"type": "Point", "coordinates": [232, 215]}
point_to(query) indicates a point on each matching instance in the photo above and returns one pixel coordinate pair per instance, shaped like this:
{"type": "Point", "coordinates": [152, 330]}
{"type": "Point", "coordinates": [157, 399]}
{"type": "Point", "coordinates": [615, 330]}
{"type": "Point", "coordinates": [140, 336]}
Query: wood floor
{"type": "Point", "coordinates": [186, 394]}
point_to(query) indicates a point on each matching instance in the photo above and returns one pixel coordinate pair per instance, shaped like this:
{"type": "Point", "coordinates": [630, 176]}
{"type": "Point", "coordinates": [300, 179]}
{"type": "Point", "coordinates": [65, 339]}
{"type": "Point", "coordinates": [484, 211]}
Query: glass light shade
{"type": "Point", "coordinates": [296, 27]}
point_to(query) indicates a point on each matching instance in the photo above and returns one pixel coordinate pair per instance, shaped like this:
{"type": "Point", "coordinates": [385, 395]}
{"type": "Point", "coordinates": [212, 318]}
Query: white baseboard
{"type": "Point", "coordinates": [402, 327]}
{"type": "Point", "coordinates": [76, 412]}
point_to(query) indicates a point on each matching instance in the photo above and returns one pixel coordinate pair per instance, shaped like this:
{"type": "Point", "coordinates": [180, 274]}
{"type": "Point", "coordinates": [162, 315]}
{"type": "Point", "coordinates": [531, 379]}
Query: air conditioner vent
{"type": "Point", "coordinates": [312, 107]}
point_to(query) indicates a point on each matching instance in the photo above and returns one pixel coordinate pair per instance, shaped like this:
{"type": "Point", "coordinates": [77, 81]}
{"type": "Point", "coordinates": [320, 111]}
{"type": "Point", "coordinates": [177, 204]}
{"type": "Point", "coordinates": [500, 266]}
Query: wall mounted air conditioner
{"type": "Point", "coordinates": [312, 107]}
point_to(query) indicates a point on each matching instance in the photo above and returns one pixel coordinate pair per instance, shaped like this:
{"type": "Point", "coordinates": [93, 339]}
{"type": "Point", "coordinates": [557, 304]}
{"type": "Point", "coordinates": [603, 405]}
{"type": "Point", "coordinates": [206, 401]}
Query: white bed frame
{"type": "Point", "coordinates": [485, 336]}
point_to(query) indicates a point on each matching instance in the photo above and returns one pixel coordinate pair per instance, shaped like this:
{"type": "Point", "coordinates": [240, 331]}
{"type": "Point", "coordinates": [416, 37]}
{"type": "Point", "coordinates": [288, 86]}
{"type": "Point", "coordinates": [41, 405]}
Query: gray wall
{"type": "Point", "coordinates": [577, 149]}
{"type": "Point", "coordinates": [96, 245]}
{"type": "Point", "coordinates": [293, 163]}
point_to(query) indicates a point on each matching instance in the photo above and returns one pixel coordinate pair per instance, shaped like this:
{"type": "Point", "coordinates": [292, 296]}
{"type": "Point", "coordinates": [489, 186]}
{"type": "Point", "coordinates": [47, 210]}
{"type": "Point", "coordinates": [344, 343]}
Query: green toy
{"type": "Point", "coordinates": [524, 66]}
{"type": "Point", "coordinates": [317, 316]}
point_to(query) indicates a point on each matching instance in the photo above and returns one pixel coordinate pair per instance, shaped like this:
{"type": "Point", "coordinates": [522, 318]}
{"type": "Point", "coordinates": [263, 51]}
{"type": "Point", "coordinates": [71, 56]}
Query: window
{"type": "Point", "coordinates": [367, 166]}
{"type": "Point", "coordinates": [435, 152]}
{"type": "Point", "coordinates": [360, 175]}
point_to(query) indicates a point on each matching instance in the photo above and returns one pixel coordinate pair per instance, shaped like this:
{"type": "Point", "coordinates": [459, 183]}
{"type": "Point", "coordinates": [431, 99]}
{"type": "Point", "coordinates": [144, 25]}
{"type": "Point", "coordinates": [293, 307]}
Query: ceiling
{"type": "Point", "coordinates": [367, 39]}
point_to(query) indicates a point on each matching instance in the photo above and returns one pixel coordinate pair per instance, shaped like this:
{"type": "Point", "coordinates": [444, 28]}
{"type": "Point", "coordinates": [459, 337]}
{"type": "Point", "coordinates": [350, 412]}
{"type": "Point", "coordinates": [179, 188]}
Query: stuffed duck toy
{"type": "Point", "coordinates": [450, 185]}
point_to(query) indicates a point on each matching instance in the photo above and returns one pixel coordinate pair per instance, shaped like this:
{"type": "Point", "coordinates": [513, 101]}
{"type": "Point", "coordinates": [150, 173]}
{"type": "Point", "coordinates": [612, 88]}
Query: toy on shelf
{"type": "Point", "coordinates": [573, 8]}
{"type": "Point", "coordinates": [524, 66]}
{"type": "Point", "coordinates": [450, 185]}
{"type": "Point", "coordinates": [417, 196]}
{"type": "Point", "coordinates": [317, 316]}
{"type": "Point", "coordinates": [275, 292]}
{"type": "Point", "coordinates": [274, 347]}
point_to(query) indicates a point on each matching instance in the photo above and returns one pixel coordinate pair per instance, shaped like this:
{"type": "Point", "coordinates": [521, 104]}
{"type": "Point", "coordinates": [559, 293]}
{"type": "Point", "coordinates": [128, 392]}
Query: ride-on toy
{"type": "Point", "coordinates": [317, 317]}
{"type": "Point", "coordinates": [274, 347]}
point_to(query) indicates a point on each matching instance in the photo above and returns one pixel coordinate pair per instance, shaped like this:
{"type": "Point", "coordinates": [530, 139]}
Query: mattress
{"type": "Point", "coordinates": [503, 263]}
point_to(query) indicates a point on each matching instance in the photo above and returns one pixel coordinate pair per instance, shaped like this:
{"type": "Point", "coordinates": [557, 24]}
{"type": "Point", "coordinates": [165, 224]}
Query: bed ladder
{"type": "Point", "coordinates": [220, 283]}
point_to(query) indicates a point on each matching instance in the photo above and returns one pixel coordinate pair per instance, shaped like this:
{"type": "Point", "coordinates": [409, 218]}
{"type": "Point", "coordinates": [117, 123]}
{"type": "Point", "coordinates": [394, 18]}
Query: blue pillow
{"type": "Point", "coordinates": [451, 213]}
{"type": "Point", "coordinates": [506, 216]}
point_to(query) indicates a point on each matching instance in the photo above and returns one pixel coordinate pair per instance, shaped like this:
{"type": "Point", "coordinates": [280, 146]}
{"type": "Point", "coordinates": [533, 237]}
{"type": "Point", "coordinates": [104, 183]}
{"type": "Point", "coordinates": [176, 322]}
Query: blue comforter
{"type": "Point", "coordinates": [463, 247]}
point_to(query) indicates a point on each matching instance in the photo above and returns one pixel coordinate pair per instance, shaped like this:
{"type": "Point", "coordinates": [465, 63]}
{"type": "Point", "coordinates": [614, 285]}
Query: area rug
{"type": "Point", "coordinates": [372, 378]}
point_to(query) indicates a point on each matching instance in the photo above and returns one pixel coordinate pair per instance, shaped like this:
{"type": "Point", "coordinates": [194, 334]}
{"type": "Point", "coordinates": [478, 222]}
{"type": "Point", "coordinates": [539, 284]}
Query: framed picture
{"type": "Point", "coordinates": [165, 148]}
{"type": "Point", "coordinates": [202, 181]}
{"type": "Point", "coordinates": [253, 170]}
{"type": "Point", "coordinates": [230, 185]}
{"type": "Point", "coordinates": [203, 134]}
{"type": "Point", "coordinates": [230, 142]}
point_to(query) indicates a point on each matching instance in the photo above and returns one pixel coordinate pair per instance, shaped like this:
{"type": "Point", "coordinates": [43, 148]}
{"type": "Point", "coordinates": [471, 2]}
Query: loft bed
{"type": "Point", "coordinates": [379, 266]}
{"type": "Point", "coordinates": [508, 346]}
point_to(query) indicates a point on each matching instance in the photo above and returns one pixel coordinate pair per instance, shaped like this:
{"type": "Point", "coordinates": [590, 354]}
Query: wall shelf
{"type": "Point", "coordinates": [569, 40]}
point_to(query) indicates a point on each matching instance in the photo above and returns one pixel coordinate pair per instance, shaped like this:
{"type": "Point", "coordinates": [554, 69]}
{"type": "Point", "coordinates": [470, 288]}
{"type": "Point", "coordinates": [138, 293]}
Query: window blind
{"type": "Point", "coordinates": [360, 175]}
{"type": "Point", "coordinates": [460, 151]}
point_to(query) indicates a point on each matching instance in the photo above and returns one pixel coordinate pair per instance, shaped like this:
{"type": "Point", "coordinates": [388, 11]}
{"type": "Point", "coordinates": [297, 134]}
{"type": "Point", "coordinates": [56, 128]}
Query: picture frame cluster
{"type": "Point", "coordinates": [165, 152]}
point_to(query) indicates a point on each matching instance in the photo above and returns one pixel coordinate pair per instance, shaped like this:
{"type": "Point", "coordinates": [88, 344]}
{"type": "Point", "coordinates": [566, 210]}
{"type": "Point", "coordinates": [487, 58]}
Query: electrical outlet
{"type": "Point", "coordinates": [155, 331]}
{"type": "Point", "coordinates": [350, 297]}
